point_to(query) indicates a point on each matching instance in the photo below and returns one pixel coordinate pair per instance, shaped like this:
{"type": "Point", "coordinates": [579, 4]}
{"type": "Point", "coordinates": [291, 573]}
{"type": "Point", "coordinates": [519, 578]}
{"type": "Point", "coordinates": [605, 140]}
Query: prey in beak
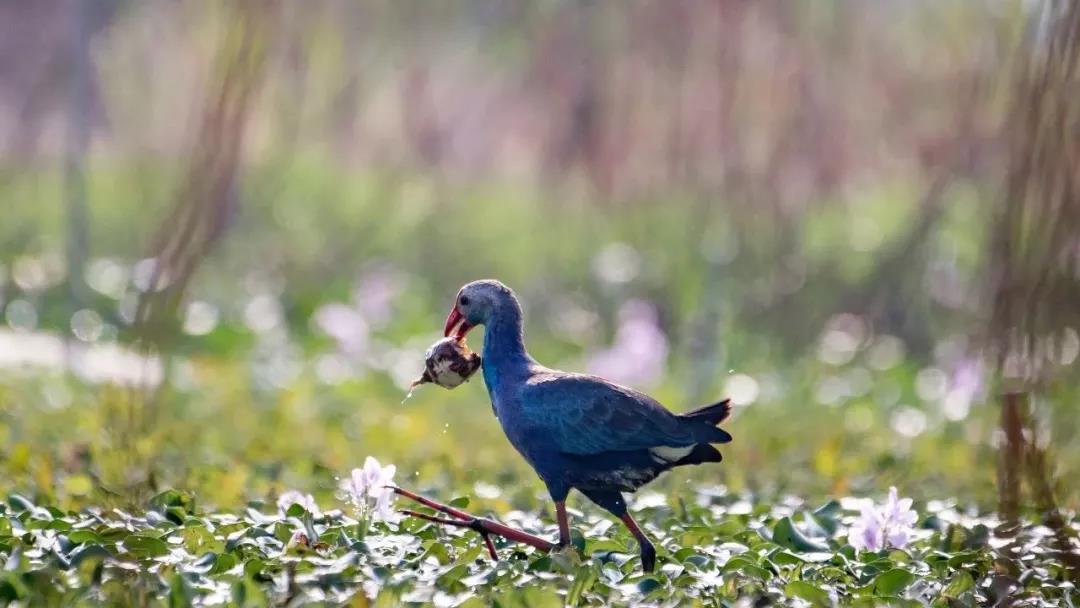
{"type": "Point", "coordinates": [456, 325]}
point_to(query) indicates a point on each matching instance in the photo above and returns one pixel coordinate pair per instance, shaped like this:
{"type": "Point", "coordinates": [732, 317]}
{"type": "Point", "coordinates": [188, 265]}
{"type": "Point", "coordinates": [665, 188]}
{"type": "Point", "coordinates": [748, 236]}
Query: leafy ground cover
{"type": "Point", "coordinates": [715, 548]}
{"type": "Point", "coordinates": [293, 362]}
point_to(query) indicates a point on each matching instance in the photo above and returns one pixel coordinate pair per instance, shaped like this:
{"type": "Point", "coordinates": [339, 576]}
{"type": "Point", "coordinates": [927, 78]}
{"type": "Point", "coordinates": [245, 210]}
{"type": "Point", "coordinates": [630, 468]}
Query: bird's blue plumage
{"type": "Point", "coordinates": [589, 415]}
{"type": "Point", "coordinates": [579, 431]}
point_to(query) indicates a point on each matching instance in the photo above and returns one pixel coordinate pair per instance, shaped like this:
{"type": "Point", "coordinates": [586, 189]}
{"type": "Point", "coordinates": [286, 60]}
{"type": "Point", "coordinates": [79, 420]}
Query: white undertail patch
{"type": "Point", "coordinates": [667, 454]}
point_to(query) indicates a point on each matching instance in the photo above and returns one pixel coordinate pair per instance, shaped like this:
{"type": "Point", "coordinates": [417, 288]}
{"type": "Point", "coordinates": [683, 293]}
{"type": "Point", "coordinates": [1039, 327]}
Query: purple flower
{"type": "Point", "coordinates": [345, 325]}
{"type": "Point", "coordinates": [640, 351]}
{"type": "Point", "coordinates": [376, 292]}
{"type": "Point", "coordinates": [966, 385]}
{"type": "Point", "coordinates": [867, 534]}
{"type": "Point", "coordinates": [293, 497]}
{"type": "Point", "coordinates": [370, 490]}
{"type": "Point", "coordinates": [888, 525]}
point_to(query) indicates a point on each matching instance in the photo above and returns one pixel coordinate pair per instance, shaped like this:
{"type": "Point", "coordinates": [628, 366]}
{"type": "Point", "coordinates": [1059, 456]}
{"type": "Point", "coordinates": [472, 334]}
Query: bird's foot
{"type": "Point", "coordinates": [485, 527]}
{"type": "Point", "coordinates": [648, 557]}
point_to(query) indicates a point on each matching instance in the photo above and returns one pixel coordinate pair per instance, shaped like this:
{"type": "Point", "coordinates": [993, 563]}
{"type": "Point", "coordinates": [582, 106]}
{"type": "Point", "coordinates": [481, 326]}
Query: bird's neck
{"type": "Point", "coordinates": [504, 353]}
{"type": "Point", "coordinates": [504, 338]}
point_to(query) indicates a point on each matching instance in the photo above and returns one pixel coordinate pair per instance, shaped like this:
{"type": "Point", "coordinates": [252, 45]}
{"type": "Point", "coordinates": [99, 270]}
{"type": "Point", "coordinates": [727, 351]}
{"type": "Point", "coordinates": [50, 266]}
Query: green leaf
{"type": "Point", "coordinates": [830, 510]}
{"type": "Point", "coordinates": [648, 584]}
{"type": "Point", "coordinates": [19, 503]}
{"type": "Point", "coordinates": [960, 583]}
{"type": "Point", "coordinates": [58, 524]}
{"type": "Point", "coordinates": [114, 535]}
{"type": "Point", "coordinates": [145, 546]}
{"type": "Point", "coordinates": [254, 569]}
{"type": "Point", "coordinates": [452, 577]}
{"type": "Point", "coordinates": [179, 592]}
{"type": "Point", "coordinates": [541, 564]}
{"type": "Point", "coordinates": [461, 502]}
{"type": "Point", "coordinates": [437, 550]}
{"type": "Point", "coordinates": [892, 582]}
{"type": "Point", "coordinates": [577, 540]}
{"type": "Point", "coordinates": [173, 498]}
{"type": "Point", "coordinates": [785, 558]}
{"type": "Point", "coordinates": [223, 563]}
{"type": "Point", "coordinates": [806, 591]}
{"type": "Point", "coordinates": [9, 592]}
{"type": "Point", "coordinates": [84, 536]}
{"type": "Point", "coordinates": [747, 567]}
{"type": "Point", "coordinates": [696, 560]}
{"type": "Point", "coordinates": [728, 528]}
{"type": "Point", "coordinates": [584, 578]}
{"type": "Point", "coordinates": [787, 535]}
{"type": "Point", "coordinates": [827, 517]}
{"type": "Point", "coordinates": [603, 544]}
{"type": "Point", "coordinates": [88, 552]}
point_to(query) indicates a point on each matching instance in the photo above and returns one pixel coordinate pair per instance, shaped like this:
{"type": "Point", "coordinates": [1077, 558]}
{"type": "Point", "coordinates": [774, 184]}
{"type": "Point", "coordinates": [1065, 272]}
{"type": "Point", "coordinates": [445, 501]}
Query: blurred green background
{"type": "Point", "coordinates": [229, 232]}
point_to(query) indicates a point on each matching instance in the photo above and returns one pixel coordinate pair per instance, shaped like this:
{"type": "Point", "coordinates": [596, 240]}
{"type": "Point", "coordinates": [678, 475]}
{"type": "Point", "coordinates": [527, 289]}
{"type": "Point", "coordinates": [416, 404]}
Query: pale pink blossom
{"type": "Point", "coordinates": [293, 497]}
{"type": "Point", "coordinates": [370, 489]}
{"type": "Point", "coordinates": [639, 353]}
{"type": "Point", "coordinates": [888, 525]}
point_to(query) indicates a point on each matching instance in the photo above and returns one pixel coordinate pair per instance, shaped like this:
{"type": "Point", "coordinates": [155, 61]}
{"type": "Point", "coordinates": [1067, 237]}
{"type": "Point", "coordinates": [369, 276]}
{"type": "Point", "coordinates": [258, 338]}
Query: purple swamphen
{"type": "Point", "coordinates": [577, 431]}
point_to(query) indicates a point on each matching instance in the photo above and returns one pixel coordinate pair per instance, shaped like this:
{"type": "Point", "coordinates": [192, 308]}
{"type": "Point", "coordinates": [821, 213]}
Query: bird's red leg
{"type": "Point", "coordinates": [485, 527]}
{"type": "Point", "coordinates": [648, 551]}
{"type": "Point", "coordinates": [564, 523]}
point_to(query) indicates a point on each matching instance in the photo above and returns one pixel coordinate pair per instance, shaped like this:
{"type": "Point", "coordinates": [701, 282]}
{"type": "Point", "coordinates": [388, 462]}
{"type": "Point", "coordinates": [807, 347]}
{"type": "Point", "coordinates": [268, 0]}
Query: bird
{"type": "Point", "coordinates": [578, 431]}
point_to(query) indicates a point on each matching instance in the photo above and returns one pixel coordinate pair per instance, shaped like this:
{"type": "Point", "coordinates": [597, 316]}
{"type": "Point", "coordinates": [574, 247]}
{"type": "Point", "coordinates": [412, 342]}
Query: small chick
{"type": "Point", "coordinates": [449, 362]}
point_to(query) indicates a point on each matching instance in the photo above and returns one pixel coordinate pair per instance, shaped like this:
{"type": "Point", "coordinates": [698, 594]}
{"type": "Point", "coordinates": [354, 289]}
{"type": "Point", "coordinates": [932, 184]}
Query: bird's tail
{"type": "Point", "coordinates": [713, 414]}
{"type": "Point", "coordinates": [709, 417]}
{"type": "Point", "coordinates": [701, 454]}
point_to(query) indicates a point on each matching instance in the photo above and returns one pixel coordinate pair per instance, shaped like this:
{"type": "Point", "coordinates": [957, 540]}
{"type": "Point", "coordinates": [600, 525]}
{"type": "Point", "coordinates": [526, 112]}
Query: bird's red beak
{"type": "Point", "coordinates": [456, 325]}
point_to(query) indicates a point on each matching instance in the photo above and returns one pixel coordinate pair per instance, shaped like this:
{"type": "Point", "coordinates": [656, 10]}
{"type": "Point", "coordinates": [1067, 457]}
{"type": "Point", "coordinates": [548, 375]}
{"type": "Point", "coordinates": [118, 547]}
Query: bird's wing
{"type": "Point", "coordinates": [589, 415]}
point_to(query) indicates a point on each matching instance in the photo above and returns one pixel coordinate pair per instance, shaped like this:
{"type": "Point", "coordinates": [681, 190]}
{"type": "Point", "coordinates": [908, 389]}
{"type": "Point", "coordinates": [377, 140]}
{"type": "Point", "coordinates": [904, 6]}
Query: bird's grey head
{"type": "Point", "coordinates": [476, 303]}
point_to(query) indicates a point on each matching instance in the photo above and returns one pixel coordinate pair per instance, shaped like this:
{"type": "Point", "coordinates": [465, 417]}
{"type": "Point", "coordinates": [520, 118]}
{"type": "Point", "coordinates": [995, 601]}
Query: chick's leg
{"type": "Point", "coordinates": [485, 527]}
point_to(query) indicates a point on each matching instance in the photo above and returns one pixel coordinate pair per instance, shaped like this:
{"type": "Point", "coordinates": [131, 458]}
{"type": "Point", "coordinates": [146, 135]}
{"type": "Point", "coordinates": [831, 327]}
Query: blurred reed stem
{"type": "Point", "coordinates": [1035, 255]}
{"type": "Point", "coordinates": [207, 198]}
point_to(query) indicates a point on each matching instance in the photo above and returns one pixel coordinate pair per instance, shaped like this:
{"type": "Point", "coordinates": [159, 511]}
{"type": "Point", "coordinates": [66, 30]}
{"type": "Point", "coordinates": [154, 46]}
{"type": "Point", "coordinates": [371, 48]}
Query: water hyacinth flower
{"type": "Point", "coordinates": [370, 490]}
{"type": "Point", "coordinates": [345, 325]}
{"type": "Point", "coordinates": [293, 497]}
{"type": "Point", "coordinates": [376, 293]}
{"type": "Point", "coordinates": [639, 353]}
{"type": "Point", "coordinates": [887, 525]}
